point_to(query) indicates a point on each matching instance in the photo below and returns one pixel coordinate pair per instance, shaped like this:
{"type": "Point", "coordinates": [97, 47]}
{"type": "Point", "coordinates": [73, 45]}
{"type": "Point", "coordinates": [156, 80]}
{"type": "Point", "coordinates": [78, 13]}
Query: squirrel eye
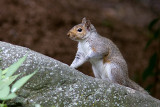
{"type": "Point", "coordinates": [79, 30]}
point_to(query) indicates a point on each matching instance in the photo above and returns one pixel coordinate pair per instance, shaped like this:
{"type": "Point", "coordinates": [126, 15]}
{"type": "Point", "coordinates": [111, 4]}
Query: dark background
{"type": "Point", "coordinates": [42, 25]}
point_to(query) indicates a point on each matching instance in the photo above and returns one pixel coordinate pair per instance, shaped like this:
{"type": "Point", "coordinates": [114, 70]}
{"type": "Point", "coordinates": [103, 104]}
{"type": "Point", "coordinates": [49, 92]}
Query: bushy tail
{"type": "Point", "coordinates": [135, 86]}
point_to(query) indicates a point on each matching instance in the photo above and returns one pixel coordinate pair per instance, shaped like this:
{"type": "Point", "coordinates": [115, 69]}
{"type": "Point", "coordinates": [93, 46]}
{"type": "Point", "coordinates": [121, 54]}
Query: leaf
{"type": "Point", "coordinates": [8, 80]}
{"type": "Point", "coordinates": [21, 82]}
{"type": "Point", "coordinates": [153, 22]}
{"type": "Point", "coordinates": [4, 91]}
{"type": "Point", "coordinates": [10, 96]}
{"type": "Point", "coordinates": [148, 43]}
{"type": "Point", "coordinates": [4, 71]}
{"type": "Point", "coordinates": [3, 105]}
{"type": "Point", "coordinates": [0, 74]}
{"type": "Point", "coordinates": [156, 34]}
{"type": "Point", "coordinates": [13, 68]}
{"type": "Point", "coordinates": [149, 70]}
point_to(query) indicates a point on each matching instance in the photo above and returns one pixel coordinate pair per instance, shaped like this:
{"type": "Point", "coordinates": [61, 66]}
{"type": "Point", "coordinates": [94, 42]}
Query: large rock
{"type": "Point", "coordinates": [57, 84]}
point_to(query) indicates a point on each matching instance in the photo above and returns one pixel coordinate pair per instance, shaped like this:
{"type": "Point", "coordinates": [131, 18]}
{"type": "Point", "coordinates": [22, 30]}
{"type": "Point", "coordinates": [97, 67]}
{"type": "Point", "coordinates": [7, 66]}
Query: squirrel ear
{"type": "Point", "coordinates": [87, 23]}
{"type": "Point", "coordinates": [84, 20]}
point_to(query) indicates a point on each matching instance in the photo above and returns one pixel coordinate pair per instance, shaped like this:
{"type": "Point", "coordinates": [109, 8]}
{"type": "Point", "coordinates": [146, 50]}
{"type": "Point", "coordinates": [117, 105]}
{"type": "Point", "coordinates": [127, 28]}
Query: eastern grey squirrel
{"type": "Point", "coordinates": [106, 59]}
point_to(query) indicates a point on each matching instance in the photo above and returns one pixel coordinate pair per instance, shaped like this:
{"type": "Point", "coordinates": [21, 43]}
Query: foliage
{"type": "Point", "coordinates": [153, 69]}
{"type": "Point", "coordinates": [6, 79]}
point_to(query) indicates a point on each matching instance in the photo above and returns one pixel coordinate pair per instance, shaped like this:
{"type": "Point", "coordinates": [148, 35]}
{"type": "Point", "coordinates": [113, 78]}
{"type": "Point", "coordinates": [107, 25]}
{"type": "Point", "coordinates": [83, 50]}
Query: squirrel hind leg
{"type": "Point", "coordinates": [96, 72]}
{"type": "Point", "coordinates": [115, 74]}
{"type": "Point", "coordinates": [102, 76]}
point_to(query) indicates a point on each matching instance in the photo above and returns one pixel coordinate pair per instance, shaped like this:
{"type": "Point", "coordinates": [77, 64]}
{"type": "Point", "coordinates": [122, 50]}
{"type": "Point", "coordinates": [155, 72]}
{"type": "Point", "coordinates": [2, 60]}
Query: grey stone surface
{"type": "Point", "coordinates": [57, 84]}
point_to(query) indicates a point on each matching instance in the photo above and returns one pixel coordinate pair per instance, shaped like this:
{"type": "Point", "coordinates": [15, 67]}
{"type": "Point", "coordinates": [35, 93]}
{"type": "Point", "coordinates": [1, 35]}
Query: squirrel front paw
{"type": "Point", "coordinates": [72, 66]}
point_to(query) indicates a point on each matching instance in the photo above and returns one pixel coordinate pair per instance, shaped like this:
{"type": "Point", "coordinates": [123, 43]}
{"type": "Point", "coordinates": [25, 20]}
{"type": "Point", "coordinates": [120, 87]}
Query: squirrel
{"type": "Point", "coordinates": [105, 57]}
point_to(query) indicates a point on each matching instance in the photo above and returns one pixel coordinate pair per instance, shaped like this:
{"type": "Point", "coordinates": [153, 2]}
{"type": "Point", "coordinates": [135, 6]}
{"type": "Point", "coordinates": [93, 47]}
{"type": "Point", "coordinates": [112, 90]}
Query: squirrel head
{"type": "Point", "coordinates": [81, 31]}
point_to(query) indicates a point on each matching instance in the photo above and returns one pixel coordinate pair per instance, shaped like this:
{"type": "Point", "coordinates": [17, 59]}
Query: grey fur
{"type": "Point", "coordinates": [95, 48]}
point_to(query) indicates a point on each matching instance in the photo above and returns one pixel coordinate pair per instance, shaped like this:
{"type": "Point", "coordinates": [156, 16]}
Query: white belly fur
{"type": "Point", "coordinates": [97, 64]}
{"type": "Point", "coordinates": [84, 46]}
{"type": "Point", "coordinates": [98, 67]}
{"type": "Point", "coordinates": [108, 68]}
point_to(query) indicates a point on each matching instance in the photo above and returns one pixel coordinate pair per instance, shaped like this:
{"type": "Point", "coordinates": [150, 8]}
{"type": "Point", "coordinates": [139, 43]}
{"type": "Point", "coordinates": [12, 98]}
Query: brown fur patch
{"type": "Point", "coordinates": [93, 48]}
{"type": "Point", "coordinates": [106, 60]}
